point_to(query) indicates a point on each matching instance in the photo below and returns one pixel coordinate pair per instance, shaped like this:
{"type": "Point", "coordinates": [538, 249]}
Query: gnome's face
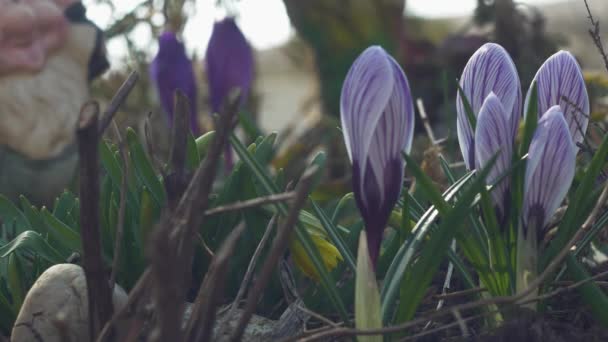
{"type": "Point", "coordinates": [49, 52]}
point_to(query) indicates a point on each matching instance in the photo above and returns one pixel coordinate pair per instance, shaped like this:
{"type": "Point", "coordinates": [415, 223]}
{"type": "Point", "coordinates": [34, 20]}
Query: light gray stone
{"type": "Point", "coordinates": [56, 307]}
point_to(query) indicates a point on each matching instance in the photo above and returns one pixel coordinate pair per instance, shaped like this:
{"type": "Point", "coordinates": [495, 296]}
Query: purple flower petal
{"type": "Point", "coordinates": [229, 63]}
{"type": "Point", "coordinates": [490, 69]}
{"type": "Point", "coordinates": [170, 70]}
{"type": "Point", "coordinates": [492, 136]}
{"type": "Point", "coordinates": [377, 116]}
{"type": "Point", "coordinates": [549, 170]}
{"type": "Point", "coordinates": [560, 82]}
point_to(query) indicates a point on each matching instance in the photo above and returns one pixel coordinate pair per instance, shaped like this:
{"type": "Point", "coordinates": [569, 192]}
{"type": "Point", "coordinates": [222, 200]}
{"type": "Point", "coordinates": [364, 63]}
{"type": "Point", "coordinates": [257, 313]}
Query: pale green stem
{"type": "Point", "coordinates": [527, 262]}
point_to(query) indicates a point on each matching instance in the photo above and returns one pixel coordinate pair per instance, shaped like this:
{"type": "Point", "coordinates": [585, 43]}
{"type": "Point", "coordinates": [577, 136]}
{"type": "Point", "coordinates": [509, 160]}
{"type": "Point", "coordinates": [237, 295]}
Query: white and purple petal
{"type": "Point", "coordinates": [365, 93]}
{"type": "Point", "coordinates": [560, 82]}
{"type": "Point", "coordinates": [377, 117]}
{"type": "Point", "coordinates": [492, 136]}
{"type": "Point", "coordinates": [490, 69]}
{"type": "Point", "coordinates": [549, 170]}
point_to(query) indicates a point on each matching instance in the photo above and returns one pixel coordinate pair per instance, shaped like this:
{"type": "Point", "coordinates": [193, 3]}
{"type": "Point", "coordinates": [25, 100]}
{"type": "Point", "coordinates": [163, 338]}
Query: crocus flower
{"type": "Point", "coordinates": [560, 82]}
{"type": "Point", "coordinates": [493, 135]}
{"type": "Point", "coordinates": [490, 69]}
{"type": "Point", "coordinates": [229, 66]}
{"type": "Point", "coordinates": [491, 85]}
{"type": "Point", "coordinates": [171, 70]}
{"type": "Point", "coordinates": [549, 170]}
{"type": "Point", "coordinates": [378, 124]}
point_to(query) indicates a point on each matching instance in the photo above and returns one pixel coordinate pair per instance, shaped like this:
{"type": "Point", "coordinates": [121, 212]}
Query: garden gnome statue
{"type": "Point", "coordinates": [49, 52]}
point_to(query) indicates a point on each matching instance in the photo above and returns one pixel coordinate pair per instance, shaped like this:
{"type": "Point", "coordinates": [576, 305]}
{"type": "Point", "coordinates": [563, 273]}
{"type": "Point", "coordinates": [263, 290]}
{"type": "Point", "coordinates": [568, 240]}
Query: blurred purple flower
{"type": "Point", "coordinates": [229, 66]}
{"type": "Point", "coordinates": [378, 124]}
{"type": "Point", "coordinates": [490, 69]}
{"type": "Point", "coordinates": [492, 136]}
{"type": "Point", "coordinates": [171, 70]}
{"type": "Point", "coordinates": [550, 169]}
{"type": "Point", "coordinates": [560, 82]}
{"type": "Point", "coordinates": [229, 63]}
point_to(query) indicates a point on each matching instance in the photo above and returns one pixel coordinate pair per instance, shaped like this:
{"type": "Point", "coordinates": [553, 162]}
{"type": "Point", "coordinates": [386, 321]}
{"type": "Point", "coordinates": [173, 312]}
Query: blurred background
{"type": "Point", "coordinates": [303, 49]}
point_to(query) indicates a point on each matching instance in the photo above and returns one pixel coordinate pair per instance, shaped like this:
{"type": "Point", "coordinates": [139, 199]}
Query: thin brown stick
{"type": "Point", "coordinates": [425, 121]}
{"type": "Point", "coordinates": [594, 32]}
{"type": "Point", "coordinates": [514, 299]}
{"type": "Point", "coordinates": [255, 202]}
{"type": "Point", "coordinates": [179, 133]}
{"type": "Point", "coordinates": [251, 266]}
{"type": "Point", "coordinates": [117, 101]}
{"type": "Point", "coordinates": [570, 287]}
{"type": "Point", "coordinates": [278, 248]}
{"type": "Point", "coordinates": [173, 245]}
{"type": "Point", "coordinates": [98, 289]}
{"type": "Point", "coordinates": [120, 224]}
{"type": "Point", "coordinates": [459, 294]}
{"type": "Point", "coordinates": [204, 309]}
{"type": "Point", "coordinates": [318, 316]}
{"type": "Point", "coordinates": [248, 274]}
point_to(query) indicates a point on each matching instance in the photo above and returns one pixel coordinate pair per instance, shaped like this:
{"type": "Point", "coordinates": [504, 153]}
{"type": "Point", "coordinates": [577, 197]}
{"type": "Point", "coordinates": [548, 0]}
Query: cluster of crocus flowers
{"type": "Point", "coordinates": [377, 116]}
{"type": "Point", "coordinates": [171, 70]}
{"type": "Point", "coordinates": [491, 85]}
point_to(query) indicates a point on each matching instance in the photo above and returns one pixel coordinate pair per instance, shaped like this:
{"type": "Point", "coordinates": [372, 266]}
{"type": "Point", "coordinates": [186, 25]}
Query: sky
{"type": "Point", "coordinates": [265, 26]}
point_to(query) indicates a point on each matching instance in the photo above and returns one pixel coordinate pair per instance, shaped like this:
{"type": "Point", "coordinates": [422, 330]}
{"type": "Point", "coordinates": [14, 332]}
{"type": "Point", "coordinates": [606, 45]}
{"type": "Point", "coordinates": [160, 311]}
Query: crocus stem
{"type": "Point", "coordinates": [527, 261]}
{"type": "Point", "coordinates": [228, 159]}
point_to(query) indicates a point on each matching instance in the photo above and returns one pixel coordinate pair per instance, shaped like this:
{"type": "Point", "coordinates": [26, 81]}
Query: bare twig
{"type": "Point", "coordinates": [278, 248]}
{"type": "Point", "coordinates": [122, 206]}
{"type": "Point", "coordinates": [425, 121]}
{"type": "Point", "coordinates": [117, 101]}
{"type": "Point", "coordinates": [594, 32]}
{"type": "Point", "coordinates": [98, 289]}
{"type": "Point", "coordinates": [566, 288]}
{"type": "Point", "coordinates": [175, 237]}
{"type": "Point", "coordinates": [247, 277]}
{"type": "Point", "coordinates": [251, 266]}
{"type": "Point", "coordinates": [209, 296]}
{"type": "Point", "coordinates": [459, 294]}
{"type": "Point", "coordinates": [319, 316]}
{"type": "Point", "coordinates": [255, 202]}
{"type": "Point", "coordinates": [158, 164]}
{"type": "Point", "coordinates": [177, 181]}
{"type": "Point", "coordinates": [179, 133]}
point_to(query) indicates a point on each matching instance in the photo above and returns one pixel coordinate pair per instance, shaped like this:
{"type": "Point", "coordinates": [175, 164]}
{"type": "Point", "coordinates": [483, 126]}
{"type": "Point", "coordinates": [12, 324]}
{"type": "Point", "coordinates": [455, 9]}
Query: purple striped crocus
{"type": "Point", "coordinates": [549, 170]}
{"type": "Point", "coordinates": [377, 117]}
{"type": "Point", "coordinates": [491, 85]}
{"type": "Point", "coordinates": [560, 82]}
{"type": "Point", "coordinates": [490, 69]}
{"type": "Point", "coordinates": [171, 70]}
{"type": "Point", "coordinates": [493, 136]}
{"type": "Point", "coordinates": [229, 66]}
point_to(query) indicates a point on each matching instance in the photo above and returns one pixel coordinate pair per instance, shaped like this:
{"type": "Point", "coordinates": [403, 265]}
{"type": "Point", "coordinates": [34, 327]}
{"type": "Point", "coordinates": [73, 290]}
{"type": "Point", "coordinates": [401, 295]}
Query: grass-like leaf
{"type": "Point", "coordinates": [303, 236]}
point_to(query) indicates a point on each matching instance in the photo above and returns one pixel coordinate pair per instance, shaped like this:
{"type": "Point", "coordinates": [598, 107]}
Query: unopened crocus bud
{"type": "Point", "coordinates": [549, 170]}
{"type": "Point", "coordinates": [489, 70]}
{"type": "Point", "coordinates": [493, 136]}
{"type": "Point", "coordinates": [171, 70]}
{"type": "Point", "coordinates": [229, 66]}
{"type": "Point", "coordinates": [229, 62]}
{"type": "Point", "coordinates": [377, 117]}
{"type": "Point", "coordinates": [560, 82]}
